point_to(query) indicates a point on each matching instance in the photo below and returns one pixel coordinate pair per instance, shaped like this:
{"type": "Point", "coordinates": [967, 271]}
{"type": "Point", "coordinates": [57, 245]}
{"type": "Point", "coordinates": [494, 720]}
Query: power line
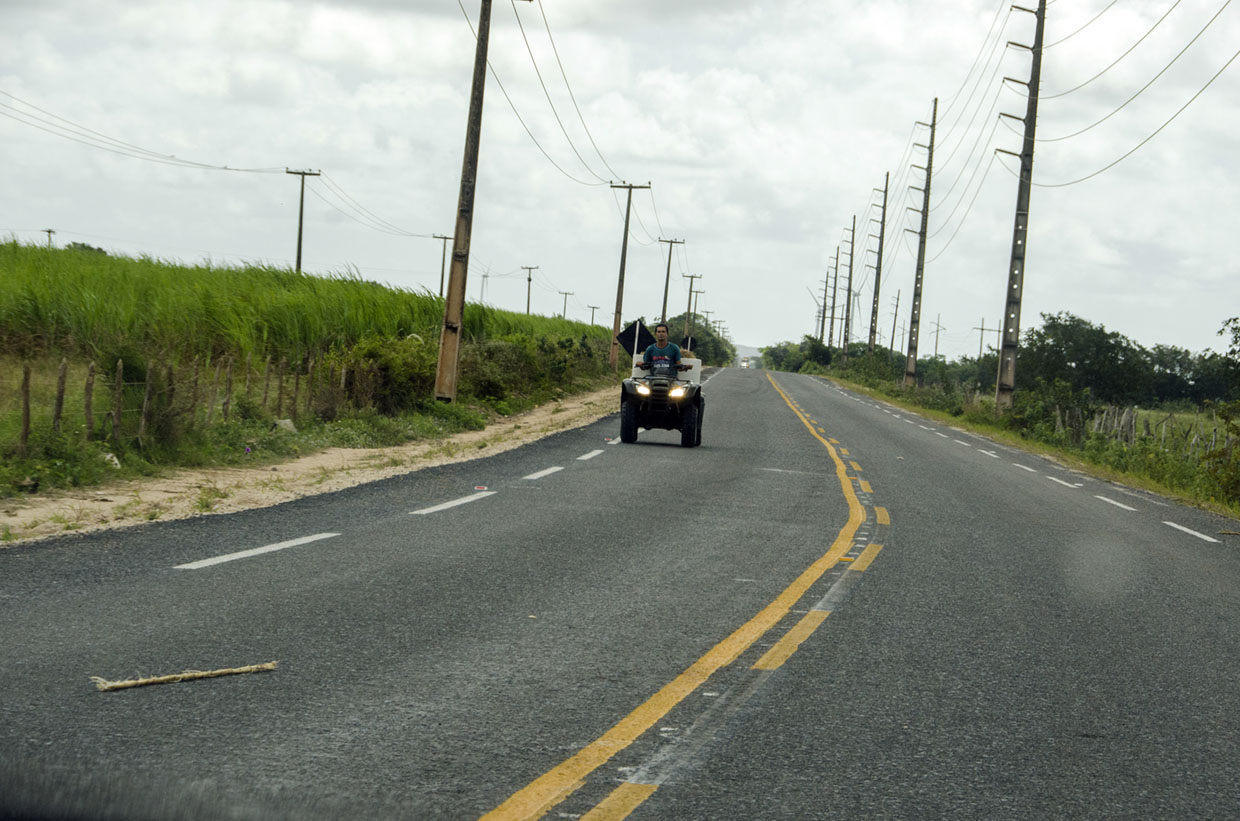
{"type": "Point", "coordinates": [1118, 59]}
{"type": "Point", "coordinates": [1082, 28]}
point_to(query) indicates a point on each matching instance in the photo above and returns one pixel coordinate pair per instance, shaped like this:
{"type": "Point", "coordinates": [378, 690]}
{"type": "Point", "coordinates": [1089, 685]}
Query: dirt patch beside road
{"type": "Point", "coordinates": [187, 493]}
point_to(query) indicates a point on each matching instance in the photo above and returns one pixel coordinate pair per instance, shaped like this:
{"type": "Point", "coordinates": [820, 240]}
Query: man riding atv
{"type": "Point", "coordinates": [654, 397]}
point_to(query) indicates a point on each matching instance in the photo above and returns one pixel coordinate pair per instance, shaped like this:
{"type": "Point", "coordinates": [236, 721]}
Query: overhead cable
{"type": "Point", "coordinates": [1117, 60]}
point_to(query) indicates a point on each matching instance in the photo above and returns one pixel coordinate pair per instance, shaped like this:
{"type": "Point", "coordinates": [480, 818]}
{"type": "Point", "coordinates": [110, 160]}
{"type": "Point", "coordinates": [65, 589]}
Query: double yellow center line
{"type": "Point", "coordinates": [549, 789]}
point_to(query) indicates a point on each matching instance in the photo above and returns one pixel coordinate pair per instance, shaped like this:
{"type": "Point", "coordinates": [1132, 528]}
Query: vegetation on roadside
{"type": "Point", "coordinates": [1164, 417]}
{"type": "Point", "coordinates": [212, 357]}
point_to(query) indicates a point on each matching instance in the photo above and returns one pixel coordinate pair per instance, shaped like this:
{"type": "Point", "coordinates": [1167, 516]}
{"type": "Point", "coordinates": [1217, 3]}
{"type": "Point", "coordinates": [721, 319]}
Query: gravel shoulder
{"type": "Point", "coordinates": [186, 493]}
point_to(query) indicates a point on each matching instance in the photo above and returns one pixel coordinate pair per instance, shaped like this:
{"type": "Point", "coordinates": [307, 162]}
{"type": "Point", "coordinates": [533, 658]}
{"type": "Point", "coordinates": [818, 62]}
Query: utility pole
{"type": "Point", "coordinates": [835, 287]}
{"type": "Point", "coordinates": [566, 294]}
{"type": "Point", "coordinates": [878, 268]}
{"type": "Point", "coordinates": [624, 250]}
{"type": "Point", "coordinates": [914, 333]}
{"type": "Point", "coordinates": [301, 208]}
{"type": "Point", "coordinates": [938, 326]}
{"type": "Point", "coordinates": [981, 338]}
{"type": "Point", "coordinates": [592, 308]}
{"type": "Point", "coordinates": [454, 304]}
{"type": "Point", "coordinates": [49, 232]}
{"type": "Point", "coordinates": [852, 247]}
{"type": "Point", "coordinates": [442, 260]}
{"type": "Point", "coordinates": [689, 307]}
{"type": "Point", "coordinates": [1006, 383]}
{"type": "Point", "coordinates": [529, 283]}
{"type": "Point", "coordinates": [693, 326]}
{"type": "Point", "coordinates": [894, 316]}
{"type": "Point", "coordinates": [667, 281]}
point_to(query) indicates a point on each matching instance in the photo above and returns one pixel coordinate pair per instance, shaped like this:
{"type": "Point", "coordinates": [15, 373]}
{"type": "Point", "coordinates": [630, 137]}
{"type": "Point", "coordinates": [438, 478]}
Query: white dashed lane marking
{"type": "Point", "coordinates": [473, 497]}
{"type": "Point", "coordinates": [1113, 502]}
{"type": "Point", "coordinates": [540, 474]}
{"type": "Point", "coordinates": [254, 551]}
{"type": "Point", "coordinates": [1184, 529]}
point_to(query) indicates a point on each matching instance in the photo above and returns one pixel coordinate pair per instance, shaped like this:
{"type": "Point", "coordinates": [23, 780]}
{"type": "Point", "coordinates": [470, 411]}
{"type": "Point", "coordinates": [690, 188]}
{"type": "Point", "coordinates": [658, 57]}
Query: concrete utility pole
{"type": "Point", "coordinates": [592, 308]}
{"type": "Point", "coordinates": [852, 247]}
{"type": "Point", "coordinates": [566, 294]}
{"type": "Point", "coordinates": [301, 208]}
{"type": "Point", "coordinates": [667, 281]}
{"type": "Point", "coordinates": [835, 287]}
{"type": "Point", "coordinates": [878, 268]}
{"type": "Point", "coordinates": [914, 332]}
{"type": "Point", "coordinates": [49, 232]}
{"type": "Point", "coordinates": [529, 283]}
{"type": "Point", "coordinates": [442, 260]}
{"type": "Point", "coordinates": [693, 314]}
{"type": "Point", "coordinates": [1006, 383]}
{"type": "Point", "coordinates": [938, 326]}
{"type": "Point", "coordinates": [894, 316]}
{"type": "Point", "coordinates": [624, 250]}
{"type": "Point", "coordinates": [454, 303]}
{"type": "Point", "coordinates": [689, 307]}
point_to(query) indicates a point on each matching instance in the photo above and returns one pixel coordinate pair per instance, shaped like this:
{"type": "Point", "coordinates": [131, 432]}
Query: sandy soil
{"type": "Point", "coordinates": [189, 493]}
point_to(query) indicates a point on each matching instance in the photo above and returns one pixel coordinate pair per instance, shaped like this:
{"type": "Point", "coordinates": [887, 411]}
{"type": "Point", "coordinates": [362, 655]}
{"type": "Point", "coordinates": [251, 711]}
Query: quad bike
{"type": "Point", "coordinates": [656, 397]}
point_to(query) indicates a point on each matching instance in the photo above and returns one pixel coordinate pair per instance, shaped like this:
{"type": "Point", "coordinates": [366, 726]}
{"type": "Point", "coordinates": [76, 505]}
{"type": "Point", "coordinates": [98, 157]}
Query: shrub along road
{"type": "Point", "coordinates": [830, 608]}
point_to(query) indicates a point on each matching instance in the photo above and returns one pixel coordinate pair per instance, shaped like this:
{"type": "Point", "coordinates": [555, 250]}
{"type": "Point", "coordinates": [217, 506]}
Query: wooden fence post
{"type": "Point", "coordinates": [215, 386]}
{"type": "Point", "coordinates": [90, 400]}
{"type": "Point", "coordinates": [146, 404]}
{"type": "Point", "coordinates": [266, 380]}
{"type": "Point", "coordinates": [193, 396]}
{"type": "Point", "coordinates": [228, 389]}
{"type": "Point", "coordinates": [59, 408]}
{"type": "Point", "coordinates": [311, 378]}
{"type": "Point", "coordinates": [118, 401]}
{"type": "Point", "coordinates": [25, 434]}
{"type": "Point", "coordinates": [296, 390]}
{"type": "Point", "coordinates": [280, 387]}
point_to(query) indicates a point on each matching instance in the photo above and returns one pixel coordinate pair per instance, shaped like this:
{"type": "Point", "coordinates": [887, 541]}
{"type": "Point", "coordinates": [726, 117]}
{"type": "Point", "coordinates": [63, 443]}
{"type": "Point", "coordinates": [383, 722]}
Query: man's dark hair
{"type": "Point", "coordinates": [659, 325]}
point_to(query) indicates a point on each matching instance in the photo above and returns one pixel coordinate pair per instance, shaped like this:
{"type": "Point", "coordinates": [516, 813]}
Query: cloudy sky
{"type": "Point", "coordinates": [763, 127]}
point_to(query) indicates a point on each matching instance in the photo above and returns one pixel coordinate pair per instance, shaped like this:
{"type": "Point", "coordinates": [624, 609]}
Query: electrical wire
{"type": "Point", "coordinates": [968, 210]}
{"type": "Point", "coordinates": [572, 96]}
{"type": "Point", "coordinates": [951, 101]}
{"type": "Point", "coordinates": [95, 139]}
{"type": "Point", "coordinates": [547, 94]}
{"type": "Point", "coordinates": [513, 106]}
{"type": "Point", "coordinates": [1146, 86]}
{"type": "Point", "coordinates": [1082, 28]}
{"type": "Point", "coordinates": [1118, 59]}
{"type": "Point", "coordinates": [1147, 139]}
{"type": "Point", "coordinates": [378, 223]}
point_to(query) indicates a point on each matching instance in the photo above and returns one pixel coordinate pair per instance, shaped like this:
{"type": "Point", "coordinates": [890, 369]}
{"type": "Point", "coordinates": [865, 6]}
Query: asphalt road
{"type": "Point", "coordinates": [831, 608]}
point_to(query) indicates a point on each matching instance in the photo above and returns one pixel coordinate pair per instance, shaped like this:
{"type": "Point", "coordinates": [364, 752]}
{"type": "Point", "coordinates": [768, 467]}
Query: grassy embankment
{"type": "Point", "coordinates": [213, 356]}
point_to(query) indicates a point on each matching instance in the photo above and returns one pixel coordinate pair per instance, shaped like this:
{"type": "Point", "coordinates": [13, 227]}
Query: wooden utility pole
{"type": "Point", "coordinates": [566, 294]}
{"type": "Point", "coordinates": [1006, 383]}
{"type": "Point", "coordinates": [852, 247]}
{"type": "Point", "coordinates": [689, 307]}
{"type": "Point", "coordinates": [592, 308]}
{"type": "Point", "coordinates": [454, 303]}
{"type": "Point", "coordinates": [914, 332]}
{"type": "Point", "coordinates": [442, 260]}
{"type": "Point", "coordinates": [667, 281]}
{"type": "Point", "coordinates": [693, 314]}
{"type": "Point", "coordinates": [49, 232]}
{"type": "Point", "coordinates": [894, 316]}
{"type": "Point", "coordinates": [301, 208]}
{"type": "Point", "coordinates": [624, 250]}
{"type": "Point", "coordinates": [981, 338]}
{"type": "Point", "coordinates": [529, 283]}
{"type": "Point", "coordinates": [938, 326]}
{"type": "Point", "coordinates": [878, 268]}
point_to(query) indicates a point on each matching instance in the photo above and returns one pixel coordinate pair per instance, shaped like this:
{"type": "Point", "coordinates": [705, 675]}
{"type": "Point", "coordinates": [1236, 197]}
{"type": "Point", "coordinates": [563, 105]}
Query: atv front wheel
{"type": "Point", "coordinates": [628, 421]}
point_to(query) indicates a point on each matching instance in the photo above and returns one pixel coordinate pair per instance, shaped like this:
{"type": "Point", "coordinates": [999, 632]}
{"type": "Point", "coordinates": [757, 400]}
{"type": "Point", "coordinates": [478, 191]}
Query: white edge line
{"type": "Point", "coordinates": [589, 455]}
{"type": "Point", "coordinates": [1201, 536]}
{"type": "Point", "coordinates": [1113, 502]}
{"type": "Point", "coordinates": [473, 497]}
{"type": "Point", "coordinates": [1061, 481]}
{"type": "Point", "coordinates": [1022, 467]}
{"type": "Point", "coordinates": [944, 435]}
{"type": "Point", "coordinates": [254, 551]}
{"type": "Point", "coordinates": [966, 444]}
{"type": "Point", "coordinates": [988, 453]}
{"type": "Point", "coordinates": [543, 473]}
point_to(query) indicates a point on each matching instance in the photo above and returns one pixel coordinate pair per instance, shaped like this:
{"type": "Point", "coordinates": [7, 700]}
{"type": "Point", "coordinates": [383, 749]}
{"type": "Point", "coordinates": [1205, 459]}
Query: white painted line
{"type": "Point", "coordinates": [923, 427]}
{"type": "Point", "coordinates": [966, 444]}
{"type": "Point", "coordinates": [543, 473]}
{"type": "Point", "coordinates": [1201, 536]}
{"type": "Point", "coordinates": [991, 454]}
{"type": "Point", "coordinates": [1022, 467]}
{"type": "Point", "coordinates": [944, 435]}
{"type": "Point", "coordinates": [615, 441]}
{"type": "Point", "coordinates": [910, 421]}
{"type": "Point", "coordinates": [473, 497]}
{"type": "Point", "coordinates": [589, 455]}
{"type": "Point", "coordinates": [255, 551]}
{"type": "Point", "coordinates": [1113, 502]}
{"type": "Point", "coordinates": [1062, 482]}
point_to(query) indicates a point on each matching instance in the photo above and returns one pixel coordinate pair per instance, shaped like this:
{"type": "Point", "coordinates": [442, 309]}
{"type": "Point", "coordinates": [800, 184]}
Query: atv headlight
{"type": "Point", "coordinates": [676, 392]}
{"type": "Point", "coordinates": [644, 390]}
